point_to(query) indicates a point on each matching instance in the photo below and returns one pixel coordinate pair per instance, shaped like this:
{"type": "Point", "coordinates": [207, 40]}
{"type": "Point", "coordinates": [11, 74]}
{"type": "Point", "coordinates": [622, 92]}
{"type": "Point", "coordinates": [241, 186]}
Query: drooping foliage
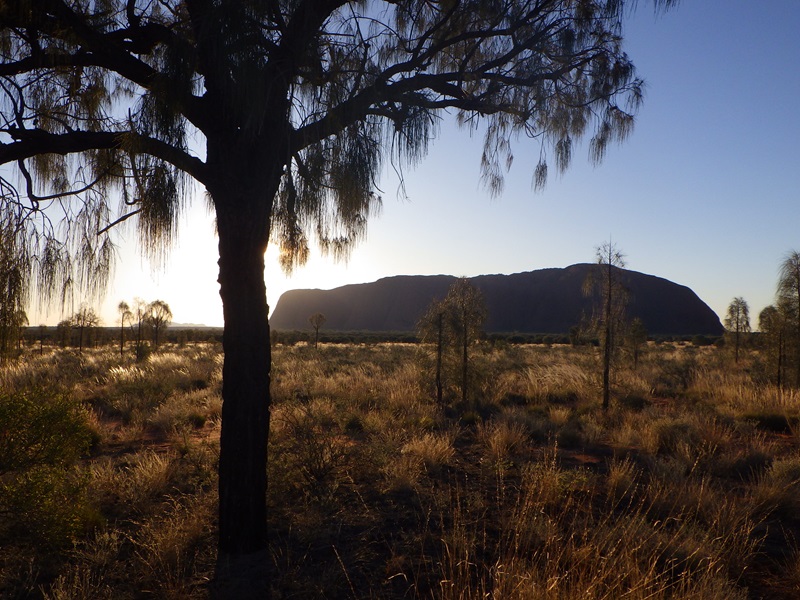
{"type": "Point", "coordinates": [102, 102]}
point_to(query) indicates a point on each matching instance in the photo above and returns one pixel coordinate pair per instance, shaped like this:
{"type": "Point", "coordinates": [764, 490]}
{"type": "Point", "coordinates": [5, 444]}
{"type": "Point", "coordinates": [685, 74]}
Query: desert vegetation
{"type": "Point", "coordinates": [686, 487]}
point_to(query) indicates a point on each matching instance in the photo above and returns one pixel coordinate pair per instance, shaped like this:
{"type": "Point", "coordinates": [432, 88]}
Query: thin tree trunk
{"type": "Point", "coordinates": [607, 345]}
{"type": "Point", "coordinates": [780, 358]}
{"type": "Point", "coordinates": [439, 343]}
{"type": "Point", "coordinates": [122, 338]}
{"type": "Point", "coordinates": [465, 359]}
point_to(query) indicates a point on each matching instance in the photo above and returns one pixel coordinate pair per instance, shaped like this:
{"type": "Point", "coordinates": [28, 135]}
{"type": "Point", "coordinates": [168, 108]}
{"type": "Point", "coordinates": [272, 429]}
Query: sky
{"type": "Point", "coordinates": [705, 192]}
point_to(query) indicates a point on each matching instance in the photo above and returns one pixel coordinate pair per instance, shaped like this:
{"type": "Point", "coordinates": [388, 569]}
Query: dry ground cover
{"type": "Point", "coordinates": [688, 487]}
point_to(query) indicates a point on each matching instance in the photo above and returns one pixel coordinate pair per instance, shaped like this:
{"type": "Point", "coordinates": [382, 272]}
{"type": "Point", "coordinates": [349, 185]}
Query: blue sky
{"type": "Point", "coordinates": [706, 191]}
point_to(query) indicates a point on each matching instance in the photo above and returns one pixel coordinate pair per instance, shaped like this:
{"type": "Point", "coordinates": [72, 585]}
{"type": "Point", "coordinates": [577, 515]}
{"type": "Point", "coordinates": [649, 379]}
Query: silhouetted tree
{"type": "Point", "coordinates": [84, 321]}
{"type": "Point", "coordinates": [317, 320]}
{"type": "Point", "coordinates": [159, 316]}
{"type": "Point", "coordinates": [431, 327]}
{"type": "Point", "coordinates": [464, 316]}
{"type": "Point", "coordinates": [139, 324]}
{"type": "Point", "coordinates": [772, 324]}
{"type": "Point", "coordinates": [125, 314]}
{"type": "Point", "coordinates": [64, 332]}
{"type": "Point", "coordinates": [297, 104]}
{"type": "Point", "coordinates": [611, 299]}
{"type": "Point", "coordinates": [737, 322]}
{"type": "Point", "coordinates": [637, 337]}
{"type": "Point", "coordinates": [788, 296]}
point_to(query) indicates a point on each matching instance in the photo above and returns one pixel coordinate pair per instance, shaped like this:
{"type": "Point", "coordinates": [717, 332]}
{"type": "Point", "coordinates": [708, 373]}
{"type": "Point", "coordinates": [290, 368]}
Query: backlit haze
{"type": "Point", "coordinates": [705, 192]}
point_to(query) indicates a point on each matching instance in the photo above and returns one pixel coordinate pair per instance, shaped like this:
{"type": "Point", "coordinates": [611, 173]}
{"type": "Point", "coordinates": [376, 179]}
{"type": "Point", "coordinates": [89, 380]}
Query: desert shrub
{"type": "Point", "coordinates": [41, 428]}
{"type": "Point", "coordinates": [675, 376]}
{"type": "Point", "coordinates": [633, 402]}
{"type": "Point", "coordinates": [502, 437]}
{"type": "Point", "coordinates": [313, 454]}
{"type": "Point", "coordinates": [777, 422]}
{"type": "Point", "coordinates": [434, 449]}
{"type": "Point", "coordinates": [47, 506]}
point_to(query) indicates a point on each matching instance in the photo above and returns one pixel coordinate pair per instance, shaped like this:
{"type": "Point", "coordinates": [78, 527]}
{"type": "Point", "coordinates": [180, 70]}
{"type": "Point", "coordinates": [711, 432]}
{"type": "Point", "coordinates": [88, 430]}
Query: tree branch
{"type": "Point", "coordinates": [29, 143]}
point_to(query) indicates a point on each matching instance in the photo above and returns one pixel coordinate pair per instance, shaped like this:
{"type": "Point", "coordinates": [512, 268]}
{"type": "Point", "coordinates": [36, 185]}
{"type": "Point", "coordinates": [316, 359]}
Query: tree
{"type": "Point", "coordinates": [737, 322]}
{"type": "Point", "coordinates": [64, 332]}
{"type": "Point", "coordinates": [84, 320]}
{"type": "Point", "coordinates": [788, 295]}
{"type": "Point", "coordinates": [42, 332]}
{"type": "Point", "coordinates": [464, 316]}
{"type": "Point", "coordinates": [139, 325]}
{"type": "Point", "coordinates": [317, 320]}
{"type": "Point", "coordinates": [125, 314]}
{"type": "Point", "coordinates": [637, 337]}
{"type": "Point", "coordinates": [454, 324]}
{"type": "Point", "coordinates": [298, 104]}
{"type": "Point", "coordinates": [159, 316]}
{"type": "Point", "coordinates": [431, 327]}
{"type": "Point", "coordinates": [611, 299]}
{"type": "Point", "coordinates": [772, 324]}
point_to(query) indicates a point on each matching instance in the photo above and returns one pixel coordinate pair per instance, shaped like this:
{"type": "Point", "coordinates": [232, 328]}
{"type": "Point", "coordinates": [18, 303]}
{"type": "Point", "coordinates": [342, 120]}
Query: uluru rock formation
{"type": "Point", "coordinates": [543, 301]}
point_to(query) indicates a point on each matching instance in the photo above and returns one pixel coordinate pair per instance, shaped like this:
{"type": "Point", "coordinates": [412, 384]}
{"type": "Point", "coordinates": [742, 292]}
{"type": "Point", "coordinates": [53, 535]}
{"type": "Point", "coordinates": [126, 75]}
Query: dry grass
{"type": "Point", "coordinates": [686, 488]}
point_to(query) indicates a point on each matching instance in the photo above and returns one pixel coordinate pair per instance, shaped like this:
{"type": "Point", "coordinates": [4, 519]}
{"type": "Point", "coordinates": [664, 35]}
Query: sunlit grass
{"type": "Point", "coordinates": [530, 490]}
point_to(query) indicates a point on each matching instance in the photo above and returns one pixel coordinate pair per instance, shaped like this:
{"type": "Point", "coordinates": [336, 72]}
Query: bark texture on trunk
{"type": "Point", "coordinates": [245, 383]}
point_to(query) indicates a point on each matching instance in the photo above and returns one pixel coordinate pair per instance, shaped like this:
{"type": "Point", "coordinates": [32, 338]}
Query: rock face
{"type": "Point", "coordinates": [543, 301]}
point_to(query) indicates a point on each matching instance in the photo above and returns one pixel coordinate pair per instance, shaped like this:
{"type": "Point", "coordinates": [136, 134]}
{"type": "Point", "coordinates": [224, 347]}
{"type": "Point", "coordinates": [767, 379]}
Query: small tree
{"type": "Point", "coordinates": [788, 296]}
{"type": "Point", "coordinates": [611, 299]}
{"type": "Point", "coordinates": [431, 327]}
{"type": "Point", "coordinates": [159, 316]}
{"type": "Point", "coordinates": [464, 316]}
{"type": "Point", "coordinates": [317, 320]}
{"type": "Point", "coordinates": [125, 314]}
{"type": "Point", "coordinates": [84, 320]}
{"type": "Point", "coordinates": [772, 324]}
{"type": "Point", "coordinates": [737, 322]}
{"type": "Point", "coordinates": [139, 324]}
{"type": "Point", "coordinates": [637, 337]}
{"type": "Point", "coordinates": [42, 332]}
{"type": "Point", "coordinates": [64, 332]}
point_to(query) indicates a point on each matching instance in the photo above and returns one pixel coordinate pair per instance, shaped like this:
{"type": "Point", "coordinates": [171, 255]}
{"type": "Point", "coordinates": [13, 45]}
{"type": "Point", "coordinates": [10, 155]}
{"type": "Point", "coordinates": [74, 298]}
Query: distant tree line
{"type": "Point", "coordinates": [144, 326]}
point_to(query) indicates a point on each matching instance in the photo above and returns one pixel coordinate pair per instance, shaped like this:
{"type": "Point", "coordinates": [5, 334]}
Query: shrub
{"type": "Point", "coordinates": [47, 505]}
{"type": "Point", "coordinates": [42, 429]}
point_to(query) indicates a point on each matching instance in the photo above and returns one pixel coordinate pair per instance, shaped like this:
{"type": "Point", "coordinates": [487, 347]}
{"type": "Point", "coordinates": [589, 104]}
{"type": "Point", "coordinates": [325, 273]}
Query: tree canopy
{"type": "Point", "coordinates": [106, 96]}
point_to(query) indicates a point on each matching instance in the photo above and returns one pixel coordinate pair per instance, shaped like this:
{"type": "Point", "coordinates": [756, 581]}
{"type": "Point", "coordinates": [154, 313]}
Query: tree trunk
{"type": "Point", "coordinates": [242, 200]}
{"type": "Point", "coordinates": [439, 343]}
{"type": "Point", "coordinates": [780, 358]}
{"type": "Point", "coordinates": [245, 386]}
{"type": "Point", "coordinates": [464, 363]}
{"type": "Point", "coordinates": [607, 344]}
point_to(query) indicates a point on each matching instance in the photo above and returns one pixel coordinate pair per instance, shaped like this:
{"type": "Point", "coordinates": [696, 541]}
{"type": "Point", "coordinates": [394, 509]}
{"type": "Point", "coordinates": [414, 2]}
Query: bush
{"type": "Point", "coordinates": [47, 505]}
{"type": "Point", "coordinates": [41, 497]}
{"type": "Point", "coordinates": [40, 429]}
